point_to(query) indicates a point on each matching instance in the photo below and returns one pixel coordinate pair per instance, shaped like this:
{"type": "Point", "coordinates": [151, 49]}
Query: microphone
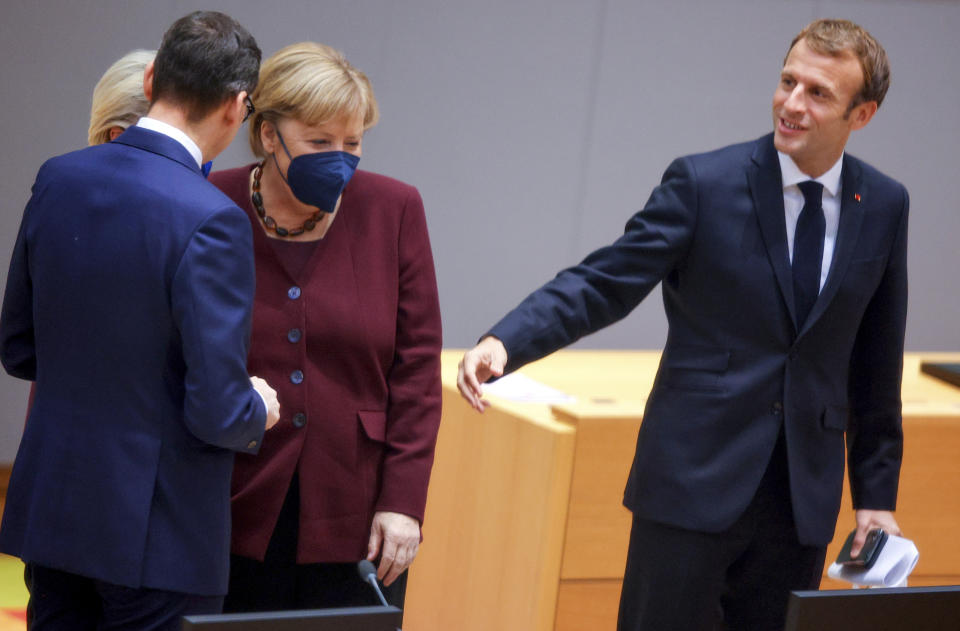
{"type": "Point", "coordinates": [369, 575]}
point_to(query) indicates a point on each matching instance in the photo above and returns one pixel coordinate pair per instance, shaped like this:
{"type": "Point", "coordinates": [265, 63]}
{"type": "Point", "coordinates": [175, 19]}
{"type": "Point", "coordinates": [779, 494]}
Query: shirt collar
{"type": "Point", "coordinates": [792, 175]}
{"type": "Point", "coordinates": [169, 130]}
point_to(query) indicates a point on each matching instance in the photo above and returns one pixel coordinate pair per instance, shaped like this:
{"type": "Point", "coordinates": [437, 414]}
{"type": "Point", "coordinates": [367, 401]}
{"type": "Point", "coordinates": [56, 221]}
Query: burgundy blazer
{"type": "Point", "coordinates": [352, 346]}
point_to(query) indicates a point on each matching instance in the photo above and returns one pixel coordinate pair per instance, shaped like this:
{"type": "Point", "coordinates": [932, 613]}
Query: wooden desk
{"type": "Point", "coordinates": [524, 524]}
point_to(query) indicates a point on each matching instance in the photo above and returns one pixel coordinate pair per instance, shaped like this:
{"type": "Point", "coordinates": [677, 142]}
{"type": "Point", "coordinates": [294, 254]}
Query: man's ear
{"type": "Point", "coordinates": [236, 108]}
{"type": "Point", "coordinates": [862, 114]}
{"type": "Point", "coordinates": [148, 82]}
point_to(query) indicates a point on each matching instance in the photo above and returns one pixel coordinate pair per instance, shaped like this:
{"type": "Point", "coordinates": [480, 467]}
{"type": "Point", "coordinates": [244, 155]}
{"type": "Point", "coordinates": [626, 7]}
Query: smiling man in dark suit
{"type": "Point", "coordinates": [783, 263]}
{"type": "Point", "coordinates": [128, 301]}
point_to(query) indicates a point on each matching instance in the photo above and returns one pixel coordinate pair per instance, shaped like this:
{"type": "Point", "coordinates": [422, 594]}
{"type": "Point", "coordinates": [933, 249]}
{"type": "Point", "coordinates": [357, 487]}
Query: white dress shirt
{"type": "Point", "coordinates": [793, 204]}
{"type": "Point", "coordinates": [169, 130]}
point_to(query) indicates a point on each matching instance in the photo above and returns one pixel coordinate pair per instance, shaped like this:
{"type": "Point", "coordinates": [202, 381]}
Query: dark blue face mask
{"type": "Point", "coordinates": [318, 179]}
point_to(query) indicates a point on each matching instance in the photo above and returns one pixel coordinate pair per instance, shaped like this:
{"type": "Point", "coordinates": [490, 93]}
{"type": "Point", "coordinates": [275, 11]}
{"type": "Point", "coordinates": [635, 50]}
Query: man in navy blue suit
{"type": "Point", "coordinates": [783, 263]}
{"type": "Point", "coordinates": [128, 301]}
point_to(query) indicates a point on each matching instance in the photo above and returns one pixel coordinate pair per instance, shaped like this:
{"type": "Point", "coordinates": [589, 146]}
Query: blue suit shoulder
{"type": "Point", "coordinates": [716, 164]}
{"type": "Point", "coordinates": [740, 151]}
{"type": "Point", "coordinates": [879, 181]}
{"type": "Point", "coordinates": [66, 167]}
{"type": "Point", "coordinates": [734, 156]}
{"type": "Point", "coordinates": [119, 163]}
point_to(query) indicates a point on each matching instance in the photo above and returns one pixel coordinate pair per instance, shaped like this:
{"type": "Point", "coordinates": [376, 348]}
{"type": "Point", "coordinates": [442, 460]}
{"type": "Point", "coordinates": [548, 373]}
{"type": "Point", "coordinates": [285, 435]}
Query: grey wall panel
{"type": "Point", "coordinates": [533, 129]}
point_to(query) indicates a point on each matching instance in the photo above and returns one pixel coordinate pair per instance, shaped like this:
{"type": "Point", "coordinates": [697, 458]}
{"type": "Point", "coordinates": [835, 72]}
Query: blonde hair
{"type": "Point", "coordinates": [313, 84]}
{"type": "Point", "coordinates": [118, 99]}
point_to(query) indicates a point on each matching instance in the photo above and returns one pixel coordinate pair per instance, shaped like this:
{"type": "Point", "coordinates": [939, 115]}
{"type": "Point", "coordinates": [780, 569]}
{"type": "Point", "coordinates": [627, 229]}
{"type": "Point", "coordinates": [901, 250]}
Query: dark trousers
{"type": "Point", "coordinates": [61, 601]}
{"type": "Point", "coordinates": [737, 580]}
{"type": "Point", "coordinates": [279, 583]}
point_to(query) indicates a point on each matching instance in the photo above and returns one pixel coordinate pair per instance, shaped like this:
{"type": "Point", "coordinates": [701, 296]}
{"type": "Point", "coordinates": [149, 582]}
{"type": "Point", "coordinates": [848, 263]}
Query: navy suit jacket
{"type": "Point", "coordinates": [736, 366]}
{"type": "Point", "coordinates": [129, 300]}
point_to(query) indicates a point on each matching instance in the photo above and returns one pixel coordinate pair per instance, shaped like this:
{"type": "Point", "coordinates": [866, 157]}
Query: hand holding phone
{"type": "Point", "coordinates": [868, 554]}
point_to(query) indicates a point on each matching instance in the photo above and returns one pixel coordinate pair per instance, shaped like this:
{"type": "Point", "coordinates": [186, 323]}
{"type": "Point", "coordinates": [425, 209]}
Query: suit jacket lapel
{"type": "Point", "coordinates": [157, 143]}
{"type": "Point", "coordinates": [766, 187]}
{"type": "Point", "coordinates": [851, 217]}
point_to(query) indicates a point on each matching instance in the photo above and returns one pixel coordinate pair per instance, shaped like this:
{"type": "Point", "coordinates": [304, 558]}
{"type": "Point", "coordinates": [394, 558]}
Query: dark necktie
{"type": "Point", "coordinates": [808, 250]}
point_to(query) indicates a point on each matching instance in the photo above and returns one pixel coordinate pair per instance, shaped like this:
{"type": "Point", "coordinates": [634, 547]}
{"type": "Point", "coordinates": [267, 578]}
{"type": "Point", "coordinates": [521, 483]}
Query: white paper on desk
{"type": "Point", "coordinates": [897, 559]}
{"type": "Point", "coordinates": [517, 387]}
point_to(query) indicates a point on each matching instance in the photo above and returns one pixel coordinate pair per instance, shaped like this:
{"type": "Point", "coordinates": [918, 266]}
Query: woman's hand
{"type": "Point", "coordinates": [399, 537]}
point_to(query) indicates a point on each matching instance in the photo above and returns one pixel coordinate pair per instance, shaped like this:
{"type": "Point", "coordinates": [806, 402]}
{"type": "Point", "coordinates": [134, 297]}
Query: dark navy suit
{"type": "Point", "coordinates": [738, 370]}
{"type": "Point", "coordinates": [129, 301]}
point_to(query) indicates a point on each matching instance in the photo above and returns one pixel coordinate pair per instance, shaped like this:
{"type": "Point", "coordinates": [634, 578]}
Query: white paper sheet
{"type": "Point", "coordinates": [897, 559]}
{"type": "Point", "coordinates": [517, 387]}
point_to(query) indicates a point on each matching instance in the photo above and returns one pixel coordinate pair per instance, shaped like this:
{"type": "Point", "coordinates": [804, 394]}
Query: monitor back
{"type": "Point", "coordinates": [344, 619]}
{"type": "Point", "coordinates": [888, 609]}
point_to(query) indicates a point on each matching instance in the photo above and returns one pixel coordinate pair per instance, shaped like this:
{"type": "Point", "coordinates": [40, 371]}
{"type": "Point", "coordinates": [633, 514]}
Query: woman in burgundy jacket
{"type": "Point", "coordinates": [346, 326]}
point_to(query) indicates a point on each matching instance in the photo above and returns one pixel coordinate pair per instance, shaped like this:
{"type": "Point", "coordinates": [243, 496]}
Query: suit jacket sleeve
{"type": "Point", "coordinates": [212, 299]}
{"type": "Point", "coordinates": [413, 413]}
{"type": "Point", "coordinates": [875, 436]}
{"type": "Point", "coordinates": [17, 349]}
{"type": "Point", "coordinates": [611, 281]}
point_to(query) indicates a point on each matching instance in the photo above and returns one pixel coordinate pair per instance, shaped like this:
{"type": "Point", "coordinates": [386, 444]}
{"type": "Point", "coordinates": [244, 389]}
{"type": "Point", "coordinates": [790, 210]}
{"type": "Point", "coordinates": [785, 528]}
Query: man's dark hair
{"type": "Point", "coordinates": [205, 58]}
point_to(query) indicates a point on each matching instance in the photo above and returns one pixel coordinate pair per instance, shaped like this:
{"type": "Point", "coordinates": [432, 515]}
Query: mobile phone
{"type": "Point", "coordinates": [868, 554]}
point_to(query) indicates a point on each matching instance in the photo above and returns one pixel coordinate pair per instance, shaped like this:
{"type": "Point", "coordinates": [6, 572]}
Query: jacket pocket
{"type": "Point", "coordinates": [698, 358]}
{"type": "Point", "coordinates": [370, 454]}
{"type": "Point", "coordinates": [374, 424]}
{"type": "Point", "coordinates": [695, 367]}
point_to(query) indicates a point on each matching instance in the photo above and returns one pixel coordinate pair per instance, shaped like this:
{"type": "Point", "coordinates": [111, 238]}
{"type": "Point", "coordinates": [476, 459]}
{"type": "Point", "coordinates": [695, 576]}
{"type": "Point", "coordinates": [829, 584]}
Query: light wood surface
{"type": "Point", "coordinates": [525, 528]}
{"type": "Point", "coordinates": [588, 605]}
{"type": "Point", "coordinates": [493, 531]}
{"type": "Point", "coordinates": [598, 526]}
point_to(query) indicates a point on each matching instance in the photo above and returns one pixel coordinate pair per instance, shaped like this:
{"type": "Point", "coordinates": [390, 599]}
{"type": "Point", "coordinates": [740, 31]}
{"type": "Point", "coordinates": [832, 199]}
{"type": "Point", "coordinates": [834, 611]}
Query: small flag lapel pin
{"type": "Point", "coordinates": [856, 196]}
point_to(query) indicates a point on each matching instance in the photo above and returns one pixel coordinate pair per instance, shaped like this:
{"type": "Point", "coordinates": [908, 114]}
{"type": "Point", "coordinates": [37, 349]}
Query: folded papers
{"type": "Point", "coordinates": [897, 559]}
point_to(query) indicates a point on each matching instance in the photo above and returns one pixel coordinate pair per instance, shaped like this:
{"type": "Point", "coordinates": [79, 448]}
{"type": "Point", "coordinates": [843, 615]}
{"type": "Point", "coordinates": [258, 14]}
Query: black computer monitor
{"type": "Point", "coordinates": [344, 619]}
{"type": "Point", "coordinates": [946, 371]}
{"type": "Point", "coordinates": [887, 609]}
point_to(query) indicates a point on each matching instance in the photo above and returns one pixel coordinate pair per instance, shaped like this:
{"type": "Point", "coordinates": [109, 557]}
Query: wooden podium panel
{"type": "Point", "coordinates": [598, 525]}
{"type": "Point", "coordinates": [495, 520]}
{"type": "Point", "coordinates": [524, 525]}
{"type": "Point", "coordinates": [588, 604]}
{"type": "Point", "coordinates": [611, 388]}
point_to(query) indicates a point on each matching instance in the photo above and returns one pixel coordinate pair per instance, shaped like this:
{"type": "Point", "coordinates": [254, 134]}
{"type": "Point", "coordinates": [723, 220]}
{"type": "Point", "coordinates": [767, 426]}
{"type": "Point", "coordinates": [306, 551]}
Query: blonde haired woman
{"type": "Point", "coordinates": [346, 325]}
{"type": "Point", "coordinates": [118, 99]}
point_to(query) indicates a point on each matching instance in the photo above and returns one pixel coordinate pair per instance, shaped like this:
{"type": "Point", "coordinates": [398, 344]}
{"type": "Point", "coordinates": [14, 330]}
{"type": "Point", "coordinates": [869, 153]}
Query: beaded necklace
{"type": "Point", "coordinates": [269, 222]}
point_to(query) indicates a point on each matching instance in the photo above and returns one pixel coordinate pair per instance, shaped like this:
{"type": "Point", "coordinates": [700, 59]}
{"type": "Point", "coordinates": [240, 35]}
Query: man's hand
{"type": "Point", "coordinates": [486, 359]}
{"type": "Point", "coordinates": [399, 537]}
{"type": "Point", "coordinates": [867, 520]}
{"type": "Point", "coordinates": [269, 398]}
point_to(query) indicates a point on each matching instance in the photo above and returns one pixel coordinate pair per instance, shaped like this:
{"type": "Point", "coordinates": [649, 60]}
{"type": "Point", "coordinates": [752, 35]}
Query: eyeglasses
{"type": "Point", "coordinates": [250, 108]}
